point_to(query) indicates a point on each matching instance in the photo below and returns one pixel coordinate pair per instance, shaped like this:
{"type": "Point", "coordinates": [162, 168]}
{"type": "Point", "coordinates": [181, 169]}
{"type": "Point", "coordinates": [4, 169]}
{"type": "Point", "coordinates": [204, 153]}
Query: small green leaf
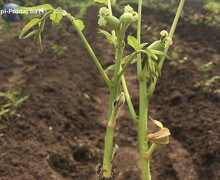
{"type": "Point", "coordinates": [42, 24]}
{"type": "Point", "coordinates": [152, 67]}
{"type": "Point", "coordinates": [40, 42]}
{"type": "Point", "coordinates": [56, 18]}
{"type": "Point", "coordinates": [160, 53]}
{"type": "Point", "coordinates": [110, 68]}
{"type": "Point", "coordinates": [30, 34]}
{"type": "Point", "coordinates": [28, 26]}
{"type": "Point", "coordinates": [105, 1]}
{"type": "Point", "coordinates": [143, 45]}
{"type": "Point", "coordinates": [133, 42]}
{"type": "Point", "coordinates": [110, 38]}
{"type": "Point", "coordinates": [79, 23]}
{"type": "Point", "coordinates": [151, 54]}
{"type": "Point", "coordinates": [60, 11]}
{"type": "Point", "coordinates": [7, 106]}
{"type": "Point", "coordinates": [157, 68]}
{"type": "Point", "coordinates": [12, 113]}
{"type": "Point", "coordinates": [126, 58]}
{"type": "Point", "coordinates": [41, 8]}
{"type": "Point", "coordinates": [4, 111]}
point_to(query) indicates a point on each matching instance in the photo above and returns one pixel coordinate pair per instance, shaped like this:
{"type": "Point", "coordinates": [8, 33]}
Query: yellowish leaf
{"type": "Point", "coordinates": [158, 123]}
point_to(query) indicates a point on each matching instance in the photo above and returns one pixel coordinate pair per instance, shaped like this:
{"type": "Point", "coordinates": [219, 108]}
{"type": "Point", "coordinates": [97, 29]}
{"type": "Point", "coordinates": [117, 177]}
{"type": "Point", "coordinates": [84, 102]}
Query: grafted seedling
{"type": "Point", "coordinates": [149, 60]}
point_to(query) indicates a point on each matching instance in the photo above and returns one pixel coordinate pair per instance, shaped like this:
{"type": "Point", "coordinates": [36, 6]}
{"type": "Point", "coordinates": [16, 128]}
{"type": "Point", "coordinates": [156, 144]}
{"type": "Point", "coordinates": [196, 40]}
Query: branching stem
{"type": "Point", "coordinates": [172, 30]}
{"type": "Point", "coordinates": [91, 52]}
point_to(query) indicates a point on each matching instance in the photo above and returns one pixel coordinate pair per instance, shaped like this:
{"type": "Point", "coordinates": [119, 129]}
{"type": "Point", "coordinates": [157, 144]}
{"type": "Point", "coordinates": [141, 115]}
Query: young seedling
{"type": "Point", "coordinates": [148, 58]}
{"type": "Point", "coordinates": [206, 84]}
{"type": "Point", "coordinates": [8, 110]}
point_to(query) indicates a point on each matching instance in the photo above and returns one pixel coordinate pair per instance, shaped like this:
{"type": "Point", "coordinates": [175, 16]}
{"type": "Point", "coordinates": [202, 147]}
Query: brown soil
{"type": "Point", "coordinates": [59, 134]}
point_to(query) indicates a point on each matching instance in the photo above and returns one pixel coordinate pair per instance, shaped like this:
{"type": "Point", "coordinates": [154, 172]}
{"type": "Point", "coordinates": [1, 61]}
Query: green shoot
{"type": "Point", "coordinates": [8, 110]}
{"type": "Point", "coordinates": [59, 49]}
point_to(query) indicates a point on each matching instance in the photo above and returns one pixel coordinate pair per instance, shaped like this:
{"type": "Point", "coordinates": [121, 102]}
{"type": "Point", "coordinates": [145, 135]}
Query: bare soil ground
{"type": "Point", "coordinates": [59, 134]}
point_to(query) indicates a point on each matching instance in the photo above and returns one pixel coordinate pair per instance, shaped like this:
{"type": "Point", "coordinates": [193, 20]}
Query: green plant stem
{"type": "Point", "coordinates": [107, 165]}
{"type": "Point", "coordinates": [91, 52]}
{"type": "Point", "coordinates": [139, 36]}
{"type": "Point", "coordinates": [130, 60]}
{"type": "Point", "coordinates": [172, 30]}
{"type": "Point", "coordinates": [128, 100]}
{"type": "Point", "coordinates": [143, 106]}
{"type": "Point", "coordinates": [151, 150]}
{"type": "Point", "coordinates": [127, 95]}
{"type": "Point", "coordinates": [142, 129]}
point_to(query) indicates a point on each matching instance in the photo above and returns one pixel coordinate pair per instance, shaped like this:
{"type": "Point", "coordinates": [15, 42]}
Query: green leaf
{"type": "Point", "coordinates": [79, 23]}
{"type": "Point", "coordinates": [30, 34]}
{"type": "Point", "coordinates": [28, 26]}
{"type": "Point", "coordinates": [125, 59]}
{"type": "Point", "coordinates": [105, 1]}
{"type": "Point", "coordinates": [42, 24]}
{"type": "Point", "coordinates": [20, 101]}
{"type": "Point", "coordinates": [151, 54]}
{"type": "Point", "coordinates": [36, 37]}
{"type": "Point", "coordinates": [110, 38]}
{"type": "Point", "coordinates": [56, 18]}
{"type": "Point", "coordinates": [12, 113]}
{"type": "Point", "coordinates": [60, 11]}
{"type": "Point", "coordinates": [152, 67]}
{"type": "Point", "coordinates": [143, 45]}
{"type": "Point", "coordinates": [110, 68]}
{"type": "Point", "coordinates": [7, 106]}
{"type": "Point", "coordinates": [133, 42]}
{"type": "Point", "coordinates": [3, 112]}
{"type": "Point", "coordinates": [157, 68]}
{"type": "Point", "coordinates": [40, 8]}
{"type": "Point", "coordinates": [160, 53]}
{"type": "Point", "coordinates": [39, 42]}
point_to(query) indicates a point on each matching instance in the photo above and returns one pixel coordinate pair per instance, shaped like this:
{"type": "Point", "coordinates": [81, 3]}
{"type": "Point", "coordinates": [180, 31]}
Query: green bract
{"type": "Point", "coordinates": [157, 45]}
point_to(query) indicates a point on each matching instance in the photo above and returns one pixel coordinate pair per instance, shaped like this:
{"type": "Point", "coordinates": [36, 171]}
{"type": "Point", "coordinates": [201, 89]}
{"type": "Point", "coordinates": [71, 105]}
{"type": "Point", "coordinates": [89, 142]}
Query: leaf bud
{"type": "Point", "coordinates": [112, 22]}
{"type": "Point", "coordinates": [126, 18]}
{"type": "Point", "coordinates": [119, 102]}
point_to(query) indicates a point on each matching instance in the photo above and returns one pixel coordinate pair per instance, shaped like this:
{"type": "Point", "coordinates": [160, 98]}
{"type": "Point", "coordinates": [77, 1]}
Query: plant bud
{"type": "Point", "coordinates": [157, 45]}
{"type": "Point", "coordinates": [120, 101]}
{"type": "Point", "coordinates": [112, 22]}
{"type": "Point", "coordinates": [126, 19]}
{"type": "Point", "coordinates": [135, 16]}
{"type": "Point", "coordinates": [114, 153]}
{"type": "Point", "coordinates": [116, 105]}
{"type": "Point", "coordinates": [161, 137]}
